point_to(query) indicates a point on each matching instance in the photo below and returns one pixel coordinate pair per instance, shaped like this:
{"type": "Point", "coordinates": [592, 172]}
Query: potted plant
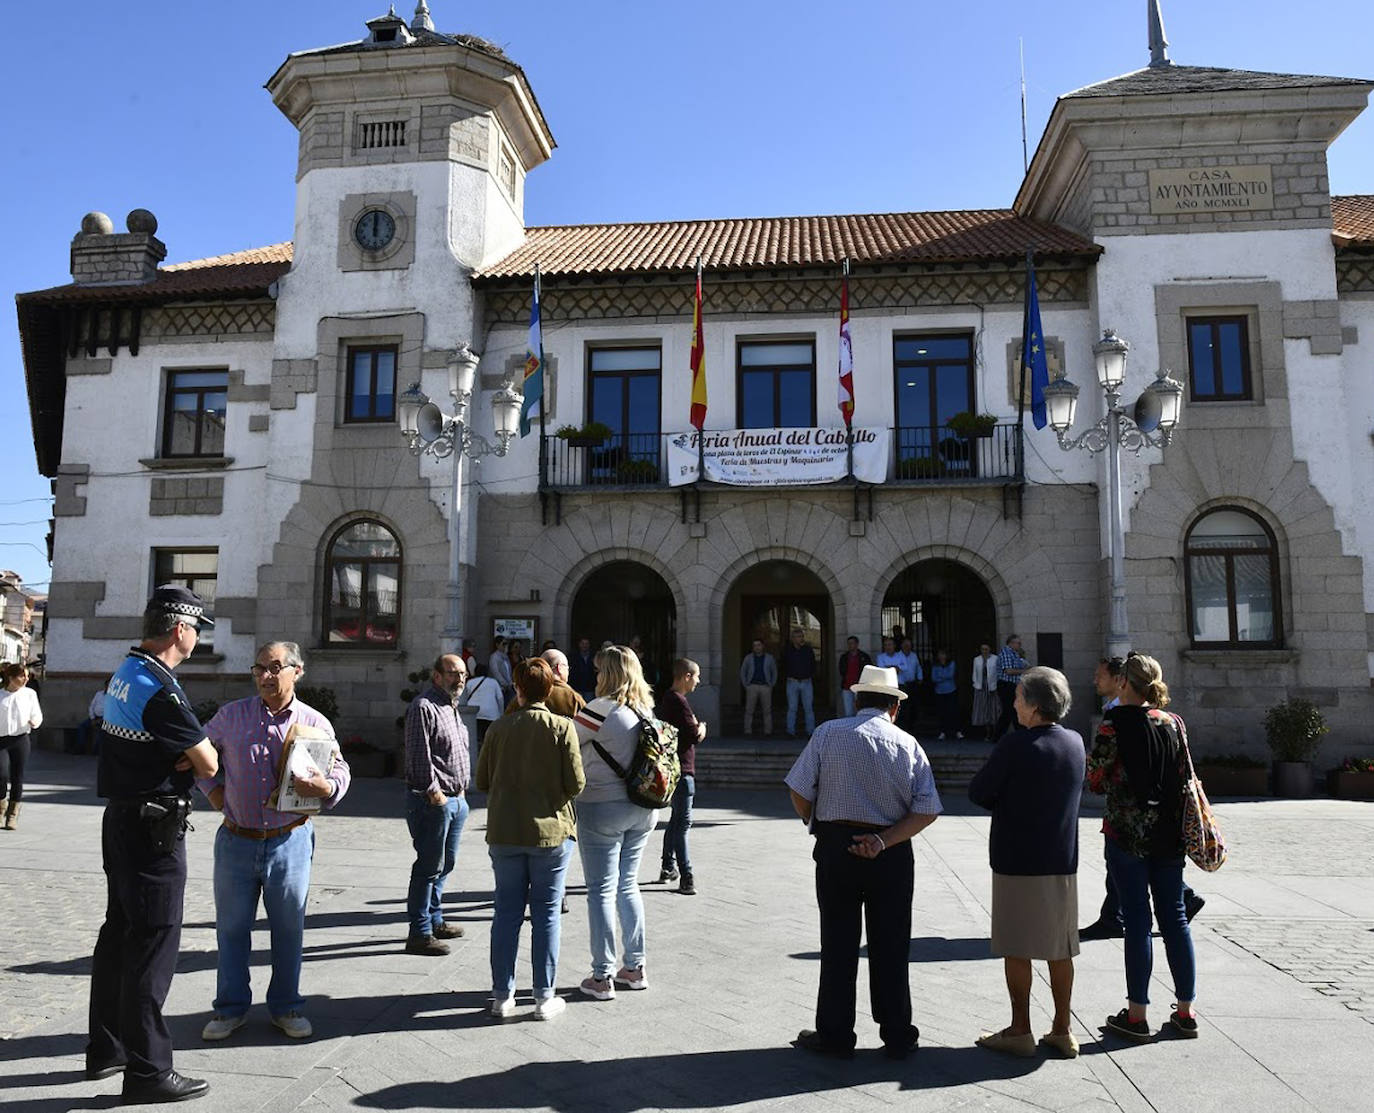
{"type": "Point", "coordinates": [1233, 775]}
{"type": "Point", "coordinates": [1353, 780]}
{"type": "Point", "coordinates": [1293, 730]}
{"type": "Point", "coordinates": [920, 467]}
{"type": "Point", "coordinates": [591, 435]}
{"type": "Point", "coordinates": [637, 471]}
{"type": "Point", "coordinates": [969, 424]}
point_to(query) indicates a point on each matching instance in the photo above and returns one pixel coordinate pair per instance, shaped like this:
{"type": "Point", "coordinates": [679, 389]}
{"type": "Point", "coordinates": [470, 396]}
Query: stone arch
{"type": "Point", "coordinates": [980, 566]}
{"type": "Point", "coordinates": [576, 576]}
{"type": "Point", "coordinates": [737, 567]}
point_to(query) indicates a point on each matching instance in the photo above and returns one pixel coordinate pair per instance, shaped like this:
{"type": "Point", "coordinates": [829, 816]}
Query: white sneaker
{"type": "Point", "coordinates": [502, 1008]}
{"type": "Point", "coordinates": [546, 1008]}
{"type": "Point", "coordinates": [221, 1027]}
{"type": "Point", "coordinates": [293, 1024]}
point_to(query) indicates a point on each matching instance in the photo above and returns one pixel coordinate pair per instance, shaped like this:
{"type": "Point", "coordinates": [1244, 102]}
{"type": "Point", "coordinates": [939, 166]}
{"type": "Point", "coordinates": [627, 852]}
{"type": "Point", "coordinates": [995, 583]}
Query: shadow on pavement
{"type": "Point", "coordinates": [712, 1079]}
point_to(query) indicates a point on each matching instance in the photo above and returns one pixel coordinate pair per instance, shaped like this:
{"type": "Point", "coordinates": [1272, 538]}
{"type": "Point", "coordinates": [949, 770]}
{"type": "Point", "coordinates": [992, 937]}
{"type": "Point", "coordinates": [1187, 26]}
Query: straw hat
{"type": "Point", "coordinates": [874, 678]}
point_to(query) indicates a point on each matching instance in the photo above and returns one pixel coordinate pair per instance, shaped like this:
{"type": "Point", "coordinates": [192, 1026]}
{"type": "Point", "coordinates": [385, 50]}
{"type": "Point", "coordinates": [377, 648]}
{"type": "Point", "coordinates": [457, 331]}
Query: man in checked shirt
{"type": "Point", "coordinates": [259, 851]}
{"type": "Point", "coordinates": [437, 775]}
{"type": "Point", "coordinates": [865, 789]}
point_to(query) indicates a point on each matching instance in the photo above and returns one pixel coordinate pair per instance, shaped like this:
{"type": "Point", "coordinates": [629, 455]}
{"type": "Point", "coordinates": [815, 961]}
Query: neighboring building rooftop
{"type": "Point", "coordinates": [1172, 80]}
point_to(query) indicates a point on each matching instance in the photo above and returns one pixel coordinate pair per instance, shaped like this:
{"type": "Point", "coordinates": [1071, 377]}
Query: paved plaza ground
{"type": "Point", "coordinates": [1285, 954]}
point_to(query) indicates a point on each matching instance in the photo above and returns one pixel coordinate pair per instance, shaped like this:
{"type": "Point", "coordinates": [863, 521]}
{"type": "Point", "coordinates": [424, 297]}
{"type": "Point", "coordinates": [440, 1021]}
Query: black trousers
{"type": "Point", "coordinates": [136, 953]}
{"type": "Point", "coordinates": [14, 755]}
{"type": "Point", "coordinates": [874, 893]}
{"type": "Point", "coordinates": [1006, 692]}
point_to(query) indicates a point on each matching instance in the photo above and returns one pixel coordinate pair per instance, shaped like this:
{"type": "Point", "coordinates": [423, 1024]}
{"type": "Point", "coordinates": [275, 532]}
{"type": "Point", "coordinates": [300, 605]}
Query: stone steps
{"type": "Point", "coordinates": [749, 763]}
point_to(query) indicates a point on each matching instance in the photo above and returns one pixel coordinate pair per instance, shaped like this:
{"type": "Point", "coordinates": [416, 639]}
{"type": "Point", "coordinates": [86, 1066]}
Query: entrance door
{"type": "Point", "coordinates": [624, 600]}
{"type": "Point", "coordinates": [771, 619]}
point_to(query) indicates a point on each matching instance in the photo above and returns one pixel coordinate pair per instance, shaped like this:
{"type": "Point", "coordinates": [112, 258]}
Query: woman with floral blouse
{"type": "Point", "coordinates": [1138, 762]}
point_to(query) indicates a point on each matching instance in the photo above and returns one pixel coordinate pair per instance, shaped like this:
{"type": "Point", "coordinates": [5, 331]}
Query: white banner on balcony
{"type": "Point", "coordinates": [768, 457]}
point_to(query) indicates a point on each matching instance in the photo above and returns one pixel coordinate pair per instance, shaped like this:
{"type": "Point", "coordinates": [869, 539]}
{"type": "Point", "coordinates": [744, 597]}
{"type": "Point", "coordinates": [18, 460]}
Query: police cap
{"type": "Point", "coordinates": [180, 601]}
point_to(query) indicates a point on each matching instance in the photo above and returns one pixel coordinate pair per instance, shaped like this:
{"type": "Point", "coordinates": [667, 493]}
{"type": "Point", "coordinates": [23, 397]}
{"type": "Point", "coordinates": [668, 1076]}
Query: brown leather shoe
{"type": "Point", "coordinates": [426, 945]}
{"type": "Point", "coordinates": [448, 931]}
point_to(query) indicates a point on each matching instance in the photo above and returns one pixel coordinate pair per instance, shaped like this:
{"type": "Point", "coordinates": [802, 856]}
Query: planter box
{"type": "Point", "coordinates": [585, 442]}
{"type": "Point", "coordinates": [1293, 779]}
{"type": "Point", "coordinates": [1226, 780]}
{"type": "Point", "coordinates": [368, 763]}
{"type": "Point", "coordinates": [1350, 786]}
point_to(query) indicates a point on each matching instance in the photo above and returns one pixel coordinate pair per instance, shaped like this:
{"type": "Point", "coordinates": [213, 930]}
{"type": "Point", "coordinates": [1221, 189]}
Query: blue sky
{"type": "Point", "coordinates": [661, 111]}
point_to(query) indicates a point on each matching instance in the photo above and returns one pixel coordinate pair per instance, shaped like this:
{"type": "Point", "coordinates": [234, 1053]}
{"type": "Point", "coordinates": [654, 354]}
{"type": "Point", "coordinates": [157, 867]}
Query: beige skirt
{"type": "Point", "coordinates": [1035, 917]}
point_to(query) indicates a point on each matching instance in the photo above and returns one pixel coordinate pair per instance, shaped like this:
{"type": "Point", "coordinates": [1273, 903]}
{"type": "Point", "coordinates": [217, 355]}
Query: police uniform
{"type": "Point", "coordinates": [148, 725]}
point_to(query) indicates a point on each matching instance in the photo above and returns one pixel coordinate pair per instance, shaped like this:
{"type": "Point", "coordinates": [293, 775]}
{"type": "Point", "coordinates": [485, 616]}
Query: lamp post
{"type": "Point", "coordinates": [428, 430]}
{"type": "Point", "coordinates": [1151, 424]}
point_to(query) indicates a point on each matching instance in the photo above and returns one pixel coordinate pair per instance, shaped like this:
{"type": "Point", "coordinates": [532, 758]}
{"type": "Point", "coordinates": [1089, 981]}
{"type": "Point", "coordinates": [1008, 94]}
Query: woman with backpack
{"type": "Point", "coordinates": [613, 831]}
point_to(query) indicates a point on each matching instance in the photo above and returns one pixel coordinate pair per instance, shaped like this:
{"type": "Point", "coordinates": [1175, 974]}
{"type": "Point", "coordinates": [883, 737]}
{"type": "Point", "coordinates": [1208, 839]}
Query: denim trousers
{"type": "Point", "coordinates": [434, 832]}
{"type": "Point", "coordinates": [801, 694]}
{"type": "Point", "coordinates": [1136, 880]}
{"type": "Point", "coordinates": [278, 870]}
{"type": "Point", "coordinates": [534, 876]}
{"type": "Point", "coordinates": [612, 837]}
{"type": "Point", "coordinates": [679, 823]}
{"type": "Point", "coordinates": [847, 702]}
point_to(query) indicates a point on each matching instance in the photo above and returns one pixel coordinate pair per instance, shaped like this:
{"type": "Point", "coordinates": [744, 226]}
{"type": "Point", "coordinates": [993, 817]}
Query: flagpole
{"type": "Point", "coordinates": [701, 438]}
{"type": "Point", "coordinates": [849, 419]}
{"type": "Point", "coordinates": [544, 396]}
{"type": "Point", "coordinates": [1021, 388]}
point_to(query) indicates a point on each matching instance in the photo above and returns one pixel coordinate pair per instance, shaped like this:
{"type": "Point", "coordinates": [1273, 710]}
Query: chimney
{"type": "Point", "coordinates": [102, 257]}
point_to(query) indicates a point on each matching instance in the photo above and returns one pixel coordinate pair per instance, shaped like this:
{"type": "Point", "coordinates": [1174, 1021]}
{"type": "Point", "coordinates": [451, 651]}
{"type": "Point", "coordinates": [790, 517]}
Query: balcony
{"type": "Point", "coordinates": [919, 456]}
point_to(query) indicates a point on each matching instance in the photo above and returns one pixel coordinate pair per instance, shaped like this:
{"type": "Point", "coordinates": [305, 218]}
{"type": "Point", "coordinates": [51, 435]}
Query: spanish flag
{"type": "Point", "coordinates": [532, 386]}
{"type": "Point", "coordinates": [846, 393]}
{"type": "Point", "coordinates": [698, 361]}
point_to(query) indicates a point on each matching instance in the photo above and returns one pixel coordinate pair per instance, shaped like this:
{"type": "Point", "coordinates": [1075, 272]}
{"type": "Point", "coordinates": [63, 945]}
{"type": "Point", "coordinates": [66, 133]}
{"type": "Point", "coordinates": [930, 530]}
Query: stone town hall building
{"type": "Point", "coordinates": [262, 461]}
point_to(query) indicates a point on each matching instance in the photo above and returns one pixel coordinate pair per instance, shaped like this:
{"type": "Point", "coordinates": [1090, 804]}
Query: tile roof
{"type": "Point", "coordinates": [794, 241]}
{"type": "Point", "coordinates": [240, 274]}
{"type": "Point", "coordinates": [1161, 80]}
{"type": "Point", "coordinates": [1352, 220]}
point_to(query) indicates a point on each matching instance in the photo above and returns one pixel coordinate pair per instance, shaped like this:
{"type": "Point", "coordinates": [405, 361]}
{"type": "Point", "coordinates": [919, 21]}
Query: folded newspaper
{"type": "Point", "coordinates": [307, 751]}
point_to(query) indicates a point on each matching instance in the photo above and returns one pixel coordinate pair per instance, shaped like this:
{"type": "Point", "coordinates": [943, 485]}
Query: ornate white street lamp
{"type": "Point", "coordinates": [429, 431]}
{"type": "Point", "coordinates": [1150, 425]}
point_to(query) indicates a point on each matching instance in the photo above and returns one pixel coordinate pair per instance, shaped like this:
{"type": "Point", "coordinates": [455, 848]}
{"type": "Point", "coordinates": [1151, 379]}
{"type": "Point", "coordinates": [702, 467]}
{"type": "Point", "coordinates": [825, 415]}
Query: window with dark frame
{"type": "Point", "coordinates": [370, 392]}
{"type": "Point", "coordinates": [193, 423]}
{"type": "Point", "coordinates": [362, 602]}
{"type": "Point", "coordinates": [932, 381]}
{"type": "Point", "coordinates": [197, 569]}
{"type": "Point", "coordinates": [624, 393]}
{"type": "Point", "coordinates": [1219, 359]}
{"type": "Point", "coordinates": [1231, 572]}
{"type": "Point", "coordinates": [775, 385]}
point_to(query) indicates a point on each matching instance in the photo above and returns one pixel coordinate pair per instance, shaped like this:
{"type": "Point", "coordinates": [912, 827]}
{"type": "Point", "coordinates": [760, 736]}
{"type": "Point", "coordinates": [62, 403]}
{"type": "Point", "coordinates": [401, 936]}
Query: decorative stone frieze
{"type": "Point", "coordinates": [209, 321]}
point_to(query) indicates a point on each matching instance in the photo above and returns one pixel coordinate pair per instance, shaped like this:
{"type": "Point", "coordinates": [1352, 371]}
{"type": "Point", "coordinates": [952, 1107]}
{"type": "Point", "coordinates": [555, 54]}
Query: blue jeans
{"type": "Point", "coordinates": [1136, 879]}
{"type": "Point", "coordinates": [679, 823]}
{"type": "Point", "coordinates": [800, 693]}
{"type": "Point", "coordinates": [533, 875]}
{"type": "Point", "coordinates": [847, 702]}
{"type": "Point", "coordinates": [612, 837]}
{"type": "Point", "coordinates": [278, 870]}
{"type": "Point", "coordinates": [434, 832]}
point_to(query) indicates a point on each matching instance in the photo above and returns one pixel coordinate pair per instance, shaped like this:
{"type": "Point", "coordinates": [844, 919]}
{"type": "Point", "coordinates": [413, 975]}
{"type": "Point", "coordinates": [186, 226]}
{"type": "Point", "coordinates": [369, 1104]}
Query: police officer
{"type": "Point", "coordinates": [152, 748]}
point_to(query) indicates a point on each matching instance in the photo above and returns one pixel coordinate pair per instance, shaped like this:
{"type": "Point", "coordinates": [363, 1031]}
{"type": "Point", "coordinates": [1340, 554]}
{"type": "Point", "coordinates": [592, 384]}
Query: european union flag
{"type": "Point", "coordinates": [1033, 350]}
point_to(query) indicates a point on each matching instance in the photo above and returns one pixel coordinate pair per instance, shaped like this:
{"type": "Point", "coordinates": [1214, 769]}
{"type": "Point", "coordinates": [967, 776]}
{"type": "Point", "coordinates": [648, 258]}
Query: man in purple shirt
{"type": "Point", "coordinates": [436, 808]}
{"type": "Point", "coordinates": [259, 851]}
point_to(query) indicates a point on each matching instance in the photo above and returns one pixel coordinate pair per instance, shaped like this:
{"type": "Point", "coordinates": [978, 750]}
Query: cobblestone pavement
{"type": "Point", "coordinates": [1284, 947]}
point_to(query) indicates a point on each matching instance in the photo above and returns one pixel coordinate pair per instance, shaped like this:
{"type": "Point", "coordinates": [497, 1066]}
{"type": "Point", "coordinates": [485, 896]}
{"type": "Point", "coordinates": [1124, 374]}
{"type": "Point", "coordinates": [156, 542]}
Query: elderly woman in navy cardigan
{"type": "Point", "coordinates": [1032, 784]}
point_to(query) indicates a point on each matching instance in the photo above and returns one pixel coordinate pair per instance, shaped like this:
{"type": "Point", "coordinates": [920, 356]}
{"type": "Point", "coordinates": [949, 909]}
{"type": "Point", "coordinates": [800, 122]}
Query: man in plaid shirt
{"type": "Point", "coordinates": [437, 775]}
{"type": "Point", "coordinates": [1010, 666]}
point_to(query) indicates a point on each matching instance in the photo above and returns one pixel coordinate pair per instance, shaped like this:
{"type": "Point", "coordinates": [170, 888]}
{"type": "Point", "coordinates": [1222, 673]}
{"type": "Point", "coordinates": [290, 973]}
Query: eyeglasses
{"type": "Point", "coordinates": [274, 668]}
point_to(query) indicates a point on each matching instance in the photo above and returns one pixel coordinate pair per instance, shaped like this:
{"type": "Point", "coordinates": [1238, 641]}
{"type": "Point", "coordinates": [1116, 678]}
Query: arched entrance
{"type": "Point", "coordinates": [767, 602]}
{"type": "Point", "coordinates": [941, 604]}
{"type": "Point", "coordinates": [624, 600]}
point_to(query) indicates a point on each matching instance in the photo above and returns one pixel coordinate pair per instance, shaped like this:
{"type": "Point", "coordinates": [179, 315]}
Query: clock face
{"type": "Point", "coordinates": [374, 230]}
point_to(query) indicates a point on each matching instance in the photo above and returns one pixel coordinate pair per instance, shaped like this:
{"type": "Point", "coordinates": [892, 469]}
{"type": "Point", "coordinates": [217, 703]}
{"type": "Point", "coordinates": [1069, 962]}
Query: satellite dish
{"type": "Point", "coordinates": [1147, 412]}
{"type": "Point", "coordinates": [430, 423]}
